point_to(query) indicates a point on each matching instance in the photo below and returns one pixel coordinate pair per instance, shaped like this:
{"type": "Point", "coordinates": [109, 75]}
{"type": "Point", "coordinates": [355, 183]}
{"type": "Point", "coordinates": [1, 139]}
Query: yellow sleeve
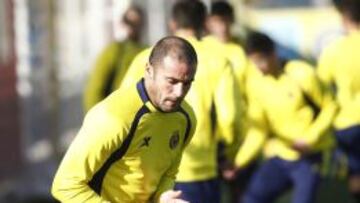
{"type": "Point", "coordinates": [321, 96]}
{"type": "Point", "coordinates": [104, 65]}
{"type": "Point", "coordinates": [168, 180]}
{"type": "Point", "coordinates": [324, 68]}
{"type": "Point", "coordinates": [228, 106]}
{"type": "Point", "coordinates": [97, 139]}
{"type": "Point", "coordinates": [256, 134]}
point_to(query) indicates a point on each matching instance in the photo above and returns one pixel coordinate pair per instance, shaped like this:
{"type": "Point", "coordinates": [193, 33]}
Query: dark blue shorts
{"type": "Point", "coordinates": [200, 191]}
{"type": "Point", "coordinates": [276, 176]}
{"type": "Point", "coordinates": [349, 143]}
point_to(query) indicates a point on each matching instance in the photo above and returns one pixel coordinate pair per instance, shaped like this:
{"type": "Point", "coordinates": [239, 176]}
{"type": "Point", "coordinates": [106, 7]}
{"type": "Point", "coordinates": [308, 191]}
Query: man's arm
{"type": "Point", "coordinates": [98, 137]}
{"type": "Point", "coordinates": [322, 97]}
{"type": "Point", "coordinates": [323, 121]}
{"type": "Point", "coordinates": [325, 66]}
{"type": "Point", "coordinates": [167, 182]}
{"type": "Point", "coordinates": [227, 100]}
{"type": "Point", "coordinates": [256, 134]}
{"type": "Point", "coordinates": [164, 191]}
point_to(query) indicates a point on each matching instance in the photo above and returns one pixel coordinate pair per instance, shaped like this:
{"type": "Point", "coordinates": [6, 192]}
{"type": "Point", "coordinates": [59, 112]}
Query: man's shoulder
{"type": "Point", "coordinates": [299, 67]}
{"type": "Point", "coordinates": [141, 58]}
{"type": "Point", "coordinates": [189, 111]}
{"type": "Point", "coordinates": [302, 72]}
{"type": "Point", "coordinates": [144, 54]}
{"type": "Point", "coordinates": [121, 104]}
{"type": "Point", "coordinates": [336, 47]}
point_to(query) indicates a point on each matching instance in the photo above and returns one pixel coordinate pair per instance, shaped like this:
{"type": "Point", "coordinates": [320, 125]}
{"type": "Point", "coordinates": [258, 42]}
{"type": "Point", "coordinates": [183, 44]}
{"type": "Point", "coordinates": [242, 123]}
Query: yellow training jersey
{"type": "Point", "coordinates": [213, 90]}
{"type": "Point", "coordinates": [240, 64]}
{"type": "Point", "coordinates": [236, 56]}
{"type": "Point", "coordinates": [125, 151]}
{"type": "Point", "coordinates": [109, 70]}
{"type": "Point", "coordinates": [339, 65]}
{"type": "Point", "coordinates": [280, 113]}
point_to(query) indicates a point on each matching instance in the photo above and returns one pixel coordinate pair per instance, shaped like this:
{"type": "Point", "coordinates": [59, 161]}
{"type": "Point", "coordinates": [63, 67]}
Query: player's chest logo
{"type": "Point", "coordinates": [174, 140]}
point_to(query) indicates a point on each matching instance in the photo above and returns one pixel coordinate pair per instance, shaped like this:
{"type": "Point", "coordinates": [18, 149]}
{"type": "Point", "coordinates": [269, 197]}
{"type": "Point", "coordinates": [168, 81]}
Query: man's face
{"type": "Point", "coordinates": [265, 63]}
{"type": "Point", "coordinates": [132, 23]}
{"type": "Point", "coordinates": [217, 26]}
{"type": "Point", "coordinates": [170, 82]}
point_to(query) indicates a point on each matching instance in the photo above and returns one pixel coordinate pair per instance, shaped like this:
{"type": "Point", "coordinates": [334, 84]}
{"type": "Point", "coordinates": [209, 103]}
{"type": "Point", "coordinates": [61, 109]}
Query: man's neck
{"type": "Point", "coordinates": [277, 70]}
{"type": "Point", "coordinates": [224, 37]}
{"type": "Point", "coordinates": [350, 26]}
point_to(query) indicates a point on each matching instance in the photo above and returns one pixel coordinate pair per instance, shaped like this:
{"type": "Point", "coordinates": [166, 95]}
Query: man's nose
{"type": "Point", "coordinates": [179, 90]}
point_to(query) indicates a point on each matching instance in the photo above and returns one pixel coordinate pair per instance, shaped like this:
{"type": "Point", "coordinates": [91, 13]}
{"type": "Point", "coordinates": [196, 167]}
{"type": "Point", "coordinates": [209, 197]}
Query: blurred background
{"type": "Point", "coordinates": [48, 47]}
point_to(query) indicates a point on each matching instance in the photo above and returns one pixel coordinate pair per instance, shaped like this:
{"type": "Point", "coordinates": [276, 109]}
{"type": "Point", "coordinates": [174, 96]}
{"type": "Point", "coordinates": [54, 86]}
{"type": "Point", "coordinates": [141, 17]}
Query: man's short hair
{"type": "Point", "coordinates": [223, 9]}
{"type": "Point", "coordinates": [189, 14]}
{"type": "Point", "coordinates": [257, 42]}
{"type": "Point", "coordinates": [176, 47]}
{"type": "Point", "coordinates": [349, 8]}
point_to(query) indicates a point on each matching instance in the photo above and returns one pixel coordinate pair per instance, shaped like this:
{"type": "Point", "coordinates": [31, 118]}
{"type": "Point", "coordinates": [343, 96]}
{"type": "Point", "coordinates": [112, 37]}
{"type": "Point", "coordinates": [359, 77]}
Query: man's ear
{"type": "Point", "coordinates": [149, 70]}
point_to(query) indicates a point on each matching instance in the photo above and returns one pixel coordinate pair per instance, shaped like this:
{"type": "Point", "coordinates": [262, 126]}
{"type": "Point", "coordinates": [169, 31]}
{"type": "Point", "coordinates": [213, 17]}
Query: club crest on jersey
{"type": "Point", "coordinates": [174, 140]}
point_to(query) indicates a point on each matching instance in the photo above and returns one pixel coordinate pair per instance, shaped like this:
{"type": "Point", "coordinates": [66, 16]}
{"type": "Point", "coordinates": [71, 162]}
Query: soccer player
{"type": "Point", "coordinates": [131, 143]}
{"type": "Point", "coordinates": [213, 92]}
{"type": "Point", "coordinates": [289, 115]}
{"type": "Point", "coordinates": [339, 67]}
{"type": "Point", "coordinates": [218, 24]}
{"type": "Point", "coordinates": [113, 62]}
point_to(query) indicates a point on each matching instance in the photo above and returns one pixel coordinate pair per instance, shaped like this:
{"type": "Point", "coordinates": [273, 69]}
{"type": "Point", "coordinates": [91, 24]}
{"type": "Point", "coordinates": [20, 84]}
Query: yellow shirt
{"type": "Point", "coordinates": [279, 114]}
{"type": "Point", "coordinates": [339, 65]}
{"type": "Point", "coordinates": [109, 70]}
{"type": "Point", "coordinates": [214, 88]}
{"type": "Point", "coordinates": [125, 151]}
{"type": "Point", "coordinates": [236, 56]}
{"type": "Point", "coordinates": [241, 66]}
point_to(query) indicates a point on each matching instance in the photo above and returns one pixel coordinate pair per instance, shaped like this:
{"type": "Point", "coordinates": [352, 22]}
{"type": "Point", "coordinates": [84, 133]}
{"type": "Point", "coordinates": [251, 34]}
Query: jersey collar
{"type": "Point", "coordinates": [144, 95]}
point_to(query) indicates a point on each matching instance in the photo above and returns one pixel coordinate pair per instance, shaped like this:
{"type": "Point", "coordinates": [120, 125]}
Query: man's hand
{"type": "Point", "coordinates": [171, 196]}
{"type": "Point", "coordinates": [230, 173]}
{"type": "Point", "coordinates": [301, 146]}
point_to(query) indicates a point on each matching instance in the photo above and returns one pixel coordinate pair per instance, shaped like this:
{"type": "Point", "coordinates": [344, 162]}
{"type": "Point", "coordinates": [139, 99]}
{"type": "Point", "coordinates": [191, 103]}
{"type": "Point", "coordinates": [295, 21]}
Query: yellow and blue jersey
{"type": "Point", "coordinates": [109, 70]}
{"type": "Point", "coordinates": [125, 151]}
{"type": "Point", "coordinates": [279, 114]}
{"type": "Point", "coordinates": [214, 90]}
{"type": "Point", "coordinates": [339, 66]}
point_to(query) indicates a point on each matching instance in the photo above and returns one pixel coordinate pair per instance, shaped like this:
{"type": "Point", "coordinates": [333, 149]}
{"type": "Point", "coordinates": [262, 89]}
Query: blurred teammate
{"type": "Point", "coordinates": [218, 24]}
{"type": "Point", "coordinates": [130, 144]}
{"type": "Point", "coordinates": [289, 114]}
{"type": "Point", "coordinates": [339, 67]}
{"type": "Point", "coordinates": [213, 92]}
{"type": "Point", "coordinates": [113, 62]}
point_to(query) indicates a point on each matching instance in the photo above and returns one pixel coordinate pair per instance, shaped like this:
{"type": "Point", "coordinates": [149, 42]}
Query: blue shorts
{"type": "Point", "coordinates": [349, 143]}
{"type": "Point", "coordinates": [200, 191]}
{"type": "Point", "coordinates": [276, 176]}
